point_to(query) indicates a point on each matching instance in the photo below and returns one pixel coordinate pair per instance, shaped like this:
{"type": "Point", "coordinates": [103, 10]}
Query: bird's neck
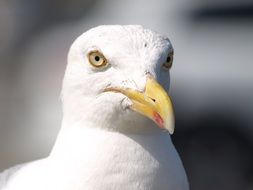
{"type": "Point", "coordinates": [95, 156]}
{"type": "Point", "coordinates": [77, 138]}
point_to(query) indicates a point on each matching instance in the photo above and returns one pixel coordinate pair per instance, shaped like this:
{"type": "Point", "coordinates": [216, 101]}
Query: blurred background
{"type": "Point", "coordinates": [212, 78]}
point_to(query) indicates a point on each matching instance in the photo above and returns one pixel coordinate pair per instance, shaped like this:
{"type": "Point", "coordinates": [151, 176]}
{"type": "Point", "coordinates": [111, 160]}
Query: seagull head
{"type": "Point", "coordinates": [117, 78]}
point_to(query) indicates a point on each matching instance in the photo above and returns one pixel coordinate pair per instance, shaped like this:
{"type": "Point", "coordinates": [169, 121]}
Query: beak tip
{"type": "Point", "coordinates": [170, 126]}
{"type": "Point", "coordinates": [171, 131]}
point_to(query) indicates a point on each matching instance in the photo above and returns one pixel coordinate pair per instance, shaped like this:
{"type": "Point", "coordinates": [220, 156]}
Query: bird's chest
{"type": "Point", "coordinates": [120, 164]}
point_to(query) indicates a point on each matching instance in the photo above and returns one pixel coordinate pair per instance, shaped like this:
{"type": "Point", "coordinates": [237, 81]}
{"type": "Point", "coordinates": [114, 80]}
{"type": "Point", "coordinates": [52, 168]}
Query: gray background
{"type": "Point", "coordinates": [211, 83]}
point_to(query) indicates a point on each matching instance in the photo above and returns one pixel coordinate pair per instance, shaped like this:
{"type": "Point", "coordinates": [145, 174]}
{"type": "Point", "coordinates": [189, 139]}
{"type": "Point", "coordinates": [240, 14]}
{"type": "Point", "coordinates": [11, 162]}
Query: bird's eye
{"type": "Point", "coordinates": [97, 59]}
{"type": "Point", "coordinates": [169, 60]}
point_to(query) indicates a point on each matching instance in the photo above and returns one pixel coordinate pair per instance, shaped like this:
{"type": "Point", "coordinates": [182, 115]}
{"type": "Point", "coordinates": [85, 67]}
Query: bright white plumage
{"type": "Point", "coordinates": [114, 86]}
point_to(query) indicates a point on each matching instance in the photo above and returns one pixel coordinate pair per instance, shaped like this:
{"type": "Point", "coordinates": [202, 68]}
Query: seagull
{"type": "Point", "coordinates": [117, 118]}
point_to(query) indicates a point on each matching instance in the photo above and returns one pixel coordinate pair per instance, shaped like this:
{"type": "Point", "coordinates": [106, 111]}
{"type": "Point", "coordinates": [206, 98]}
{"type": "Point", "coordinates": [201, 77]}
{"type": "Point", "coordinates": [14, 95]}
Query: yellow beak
{"type": "Point", "coordinates": [153, 103]}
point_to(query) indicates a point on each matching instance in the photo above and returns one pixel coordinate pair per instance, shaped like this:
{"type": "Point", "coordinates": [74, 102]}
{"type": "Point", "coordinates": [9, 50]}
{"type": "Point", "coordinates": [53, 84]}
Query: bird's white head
{"type": "Point", "coordinates": [117, 78]}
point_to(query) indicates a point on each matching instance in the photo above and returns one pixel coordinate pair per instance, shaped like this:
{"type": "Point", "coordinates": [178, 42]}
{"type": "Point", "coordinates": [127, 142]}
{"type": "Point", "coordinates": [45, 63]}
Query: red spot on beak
{"type": "Point", "coordinates": [158, 120]}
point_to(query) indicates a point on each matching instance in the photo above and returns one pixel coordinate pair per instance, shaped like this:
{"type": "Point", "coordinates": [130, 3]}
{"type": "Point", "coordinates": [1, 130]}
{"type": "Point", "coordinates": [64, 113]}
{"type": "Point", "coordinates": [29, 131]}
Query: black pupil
{"type": "Point", "coordinates": [97, 58]}
{"type": "Point", "coordinates": [168, 59]}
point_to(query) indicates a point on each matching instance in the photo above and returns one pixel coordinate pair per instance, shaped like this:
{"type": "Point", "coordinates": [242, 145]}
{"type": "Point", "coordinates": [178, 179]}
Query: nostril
{"type": "Point", "coordinates": [152, 99]}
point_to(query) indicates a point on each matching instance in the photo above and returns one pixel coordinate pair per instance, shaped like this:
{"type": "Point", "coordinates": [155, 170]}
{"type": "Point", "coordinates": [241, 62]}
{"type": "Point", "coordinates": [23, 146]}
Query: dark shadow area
{"type": "Point", "coordinates": [223, 13]}
{"type": "Point", "coordinates": [215, 154]}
